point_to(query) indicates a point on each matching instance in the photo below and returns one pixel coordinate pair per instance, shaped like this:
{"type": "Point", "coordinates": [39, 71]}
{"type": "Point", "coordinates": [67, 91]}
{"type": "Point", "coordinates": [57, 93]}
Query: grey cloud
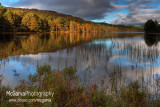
{"type": "Point", "coordinates": [137, 17]}
{"type": "Point", "coordinates": [87, 9]}
{"type": "Point", "coordinates": [140, 1]}
{"type": "Point", "coordinates": [145, 1]}
{"type": "Point", "coordinates": [139, 14]}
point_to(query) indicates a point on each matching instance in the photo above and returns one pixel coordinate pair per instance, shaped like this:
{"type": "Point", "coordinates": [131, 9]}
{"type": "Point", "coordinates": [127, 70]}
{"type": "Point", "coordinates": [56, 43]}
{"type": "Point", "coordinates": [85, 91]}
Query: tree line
{"type": "Point", "coordinates": [25, 20]}
{"type": "Point", "coordinates": [152, 26]}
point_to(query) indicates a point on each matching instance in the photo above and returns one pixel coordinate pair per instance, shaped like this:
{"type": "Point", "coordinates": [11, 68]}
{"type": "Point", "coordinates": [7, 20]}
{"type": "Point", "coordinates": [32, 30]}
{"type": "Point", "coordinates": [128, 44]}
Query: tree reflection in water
{"type": "Point", "coordinates": [110, 60]}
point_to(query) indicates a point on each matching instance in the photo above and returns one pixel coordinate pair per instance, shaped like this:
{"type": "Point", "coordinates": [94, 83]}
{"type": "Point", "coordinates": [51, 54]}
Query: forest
{"type": "Point", "coordinates": [33, 20]}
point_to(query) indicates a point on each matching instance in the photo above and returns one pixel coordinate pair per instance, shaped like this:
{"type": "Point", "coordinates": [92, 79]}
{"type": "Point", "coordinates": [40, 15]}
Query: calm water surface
{"type": "Point", "coordinates": [112, 60]}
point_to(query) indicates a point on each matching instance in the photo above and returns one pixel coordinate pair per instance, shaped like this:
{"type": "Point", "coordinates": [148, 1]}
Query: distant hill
{"type": "Point", "coordinates": [26, 20]}
{"type": "Point", "coordinates": [53, 13]}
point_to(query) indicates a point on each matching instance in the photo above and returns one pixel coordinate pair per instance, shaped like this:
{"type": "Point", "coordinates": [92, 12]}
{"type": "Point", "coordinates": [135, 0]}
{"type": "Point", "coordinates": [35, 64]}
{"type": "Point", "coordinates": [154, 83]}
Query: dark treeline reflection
{"type": "Point", "coordinates": [151, 39]}
{"type": "Point", "coordinates": [35, 43]}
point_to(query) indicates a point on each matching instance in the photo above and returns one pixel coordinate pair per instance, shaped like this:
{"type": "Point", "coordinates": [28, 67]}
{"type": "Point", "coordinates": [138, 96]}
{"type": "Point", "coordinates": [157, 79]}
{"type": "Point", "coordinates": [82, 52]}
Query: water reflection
{"type": "Point", "coordinates": [35, 43]}
{"type": "Point", "coordinates": [151, 39]}
{"type": "Point", "coordinates": [111, 62]}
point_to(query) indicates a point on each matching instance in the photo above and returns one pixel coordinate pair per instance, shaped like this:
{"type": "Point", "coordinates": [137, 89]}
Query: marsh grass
{"type": "Point", "coordinates": [68, 92]}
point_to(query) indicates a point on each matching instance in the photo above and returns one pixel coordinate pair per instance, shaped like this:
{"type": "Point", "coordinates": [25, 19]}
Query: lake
{"type": "Point", "coordinates": [107, 59]}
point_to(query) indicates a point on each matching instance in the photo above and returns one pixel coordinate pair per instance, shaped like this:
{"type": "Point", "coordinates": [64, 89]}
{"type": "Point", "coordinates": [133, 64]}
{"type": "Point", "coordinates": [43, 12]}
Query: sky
{"type": "Point", "coordinates": [118, 12]}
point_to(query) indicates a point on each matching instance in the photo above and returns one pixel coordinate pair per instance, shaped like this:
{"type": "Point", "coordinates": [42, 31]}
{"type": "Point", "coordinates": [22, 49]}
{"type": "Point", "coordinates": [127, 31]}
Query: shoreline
{"type": "Point", "coordinates": [65, 32]}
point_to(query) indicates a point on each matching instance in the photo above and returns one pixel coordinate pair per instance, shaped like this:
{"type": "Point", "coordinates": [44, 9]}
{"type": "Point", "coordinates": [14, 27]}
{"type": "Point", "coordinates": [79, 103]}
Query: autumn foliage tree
{"type": "Point", "coordinates": [32, 22]}
{"type": "Point", "coordinates": [2, 20]}
{"type": "Point", "coordinates": [9, 17]}
{"type": "Point", "coordinates": [2, 10]}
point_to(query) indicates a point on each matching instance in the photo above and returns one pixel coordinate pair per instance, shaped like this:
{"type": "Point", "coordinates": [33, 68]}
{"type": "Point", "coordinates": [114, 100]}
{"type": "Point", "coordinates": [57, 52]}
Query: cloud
{"type": "Point", "coordinates": [140, 1]}
{"type": "Point", "coordinates": [145, 1]}
{"type": "Point", "coordinates": [139, 13]}
{"type": "Point", "coordinates": [137, 17]}
{"type": "Point", "coordinates": [87, 9]}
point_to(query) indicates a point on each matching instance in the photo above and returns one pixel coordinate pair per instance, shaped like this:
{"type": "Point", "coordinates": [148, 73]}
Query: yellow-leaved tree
{"type": "Point", "coordinates": [32, 22]}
